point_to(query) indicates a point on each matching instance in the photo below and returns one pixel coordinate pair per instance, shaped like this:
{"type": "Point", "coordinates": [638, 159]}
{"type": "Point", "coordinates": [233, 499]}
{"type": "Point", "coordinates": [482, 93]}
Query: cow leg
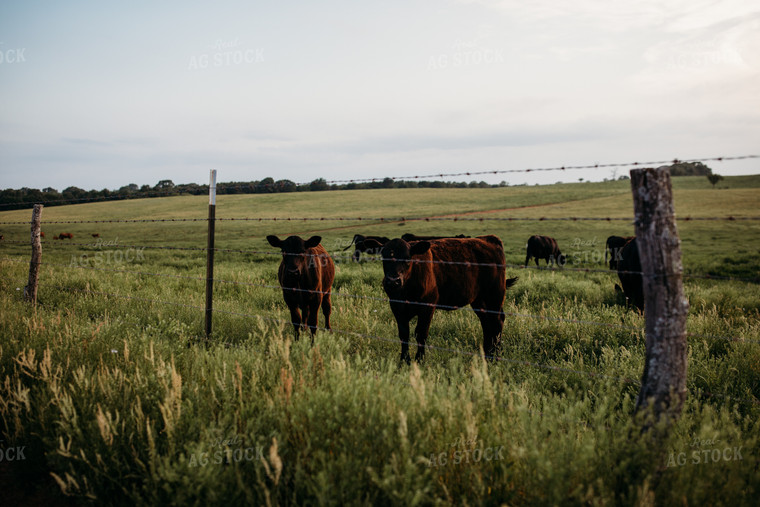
{"type": "Point", "coordinates": [492, 322]}
{"type": "Point", "coordinates": [527, 260]}
{"type": "Point", "coordinates": [295, 318]}
{"type": "Point", "coordinates": [357, 255]}
{"type": "Point", "coordinates": [402, 321]}
{"type": "Point", "coordinates": [424, 317]}
{"type": "Point", "coordinates": [327, 310]}
{"type": "Point", "coordinates": [313, 319]}
{"type": "Point", "coordinates": [305, 310]}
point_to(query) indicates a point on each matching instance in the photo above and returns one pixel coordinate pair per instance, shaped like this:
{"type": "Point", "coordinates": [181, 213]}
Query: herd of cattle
{"type": "Point", "coordinates": [425, 273]}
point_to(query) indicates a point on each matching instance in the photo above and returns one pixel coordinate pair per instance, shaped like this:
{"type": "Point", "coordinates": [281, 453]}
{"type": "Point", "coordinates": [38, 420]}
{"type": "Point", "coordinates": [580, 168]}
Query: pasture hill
{"type": "Point", "coordinates": [109, 392]}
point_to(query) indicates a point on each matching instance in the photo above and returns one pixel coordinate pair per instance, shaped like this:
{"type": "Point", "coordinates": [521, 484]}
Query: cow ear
{"type": "Point", "coordinates": [419, 248]}
{"type": "Point", "coordinates": [313, 241]}
{"type": "Point", "coordinates": [274, 241]}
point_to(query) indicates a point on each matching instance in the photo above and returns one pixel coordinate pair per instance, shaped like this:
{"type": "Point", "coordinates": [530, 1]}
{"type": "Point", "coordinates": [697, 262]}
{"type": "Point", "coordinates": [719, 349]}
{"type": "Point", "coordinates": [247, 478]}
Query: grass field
{"type": "Point", "coordinates": [115, 398]}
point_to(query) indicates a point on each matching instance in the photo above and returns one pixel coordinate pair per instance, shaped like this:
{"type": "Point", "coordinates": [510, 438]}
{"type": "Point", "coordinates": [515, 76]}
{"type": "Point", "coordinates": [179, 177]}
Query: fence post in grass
{"type": "Point", "coordinates": [210, 251]}
{"type": "Point", "coordinates": [30, 291]}
{"type": "Point", "coordinates": [663, 384]}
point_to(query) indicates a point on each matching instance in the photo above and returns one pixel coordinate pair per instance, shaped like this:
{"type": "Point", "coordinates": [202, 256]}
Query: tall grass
{"type": "Point", "coordinates": [118, 399]}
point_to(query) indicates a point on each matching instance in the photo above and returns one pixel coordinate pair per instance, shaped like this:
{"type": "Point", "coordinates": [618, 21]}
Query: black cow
{"type": "Point", "coordinates": [306, 275]}
{"type": "Point", "coordinates": [544, 247]}
{"type": "Point", "coordinates": [360, 245]}
{"type": "Point", "coordinates": [447, 274]}
{"type": "Point", "coordinates": [629, 272]}
{"type": "Point", "coordinates": [613, 249]}
{"type": "Point", "coordinates": [408, 237]}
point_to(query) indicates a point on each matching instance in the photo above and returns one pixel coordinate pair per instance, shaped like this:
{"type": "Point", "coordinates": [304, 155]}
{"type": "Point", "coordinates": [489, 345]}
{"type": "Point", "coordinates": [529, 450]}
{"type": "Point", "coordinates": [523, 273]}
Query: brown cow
{"type": "Point", "coordinates": [629, 272]}
{"type": "Point", "coordinates": [544, 247]}
{"type": "Point", "coordinates": [65, 235]}
{"type": "Point", "coordinates": [96, 235]}
{"type": "Point", "coordinates": [306, 275]}
{"type": "Point", "coordinates": [613, 249]}
{"type": "Point", "coordinates": [408, 237]}
{"type": "Point", "coordinates": [447, 274]}
{"type": "Point", "coordinates": [359, 241]}
{"type": "Point", "coordinates": [42, 234]}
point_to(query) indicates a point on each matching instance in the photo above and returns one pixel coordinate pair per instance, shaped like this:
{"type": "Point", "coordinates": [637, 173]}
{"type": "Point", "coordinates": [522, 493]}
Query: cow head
{"type": "Point", "coordinates": [397, 262]}
{"type": "Point", "coordinates": [295, 255]}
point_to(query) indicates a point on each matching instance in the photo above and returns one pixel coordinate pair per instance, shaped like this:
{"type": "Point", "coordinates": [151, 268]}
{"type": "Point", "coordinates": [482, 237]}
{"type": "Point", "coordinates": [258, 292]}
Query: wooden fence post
{"type": "Point", "coordinates": [30, 291]}
{"type": "Point", "coordinates": [210, 252]}
{"type": "Point", "coordinates": [663, 384]}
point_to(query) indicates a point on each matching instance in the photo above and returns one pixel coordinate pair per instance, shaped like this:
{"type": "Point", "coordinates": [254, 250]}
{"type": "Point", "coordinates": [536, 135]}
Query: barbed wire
{"type": "Point", "coordinates": [554, 168]}
{"type": "Point", "coordinates": [449, 218]}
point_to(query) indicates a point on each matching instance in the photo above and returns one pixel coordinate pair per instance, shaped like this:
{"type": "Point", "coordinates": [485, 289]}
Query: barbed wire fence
{"type": "Point", "coordinates": [209, 279]}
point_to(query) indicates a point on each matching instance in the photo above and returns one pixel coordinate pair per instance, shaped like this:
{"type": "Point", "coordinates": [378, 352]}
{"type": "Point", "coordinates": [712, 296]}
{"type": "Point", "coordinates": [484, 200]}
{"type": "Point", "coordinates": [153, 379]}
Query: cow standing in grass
{"type": "Point", "coordinates": [447, 274]}
{"type": "Point", "coordinates": [613, 249]}
{"type": "Point", "coordinates": [306, 275]}
{"type": "Point", "coordinates": [629, 272]}
{"type": "Point", "coordinates": [544, 247]}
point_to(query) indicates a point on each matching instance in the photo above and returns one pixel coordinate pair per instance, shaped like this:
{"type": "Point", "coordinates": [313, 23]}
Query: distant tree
{"type": "Point", "coordinates": [318, 185]}
{"type": "Point", "coordinates": [714, 178]}
{"type": "Point", "coordinates": [164, 185]}
{"type": "Point", "coordinates": [286, 186]}
{"type": "Point", "coordinates": [73, 192]}
{"type": "Point", "coordinates": [689, 169]}
{"type": "Point", "coordinates": [388, 183]}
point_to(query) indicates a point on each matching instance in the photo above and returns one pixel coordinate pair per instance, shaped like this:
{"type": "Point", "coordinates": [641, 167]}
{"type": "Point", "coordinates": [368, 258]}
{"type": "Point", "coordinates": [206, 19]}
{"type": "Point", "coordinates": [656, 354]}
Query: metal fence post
{"type": "Point", "coordinates": [210, 252]}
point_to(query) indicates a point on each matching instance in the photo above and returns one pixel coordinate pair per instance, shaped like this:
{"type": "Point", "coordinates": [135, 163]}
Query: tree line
{"type": "Point", "coordinates": [26, 197]}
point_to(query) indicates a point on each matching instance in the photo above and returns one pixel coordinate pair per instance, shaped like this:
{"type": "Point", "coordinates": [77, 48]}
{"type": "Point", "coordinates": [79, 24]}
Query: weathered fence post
{"type": "Point", "coordinates": [663, 384]}
{"type": "Point", "coordinates": [210, 251]}
{"type": "Point", "coordinates": [30, 291]}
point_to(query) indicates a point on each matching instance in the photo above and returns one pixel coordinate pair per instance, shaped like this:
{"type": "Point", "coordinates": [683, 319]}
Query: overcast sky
{"type": "Point", "coordinates": [100, 94]}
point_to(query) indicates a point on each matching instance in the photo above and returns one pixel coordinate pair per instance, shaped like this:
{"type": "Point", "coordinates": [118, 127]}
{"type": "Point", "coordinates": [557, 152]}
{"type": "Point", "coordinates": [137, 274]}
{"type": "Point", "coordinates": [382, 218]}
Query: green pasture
{"type": "Point", "coordinates": [117, 398]}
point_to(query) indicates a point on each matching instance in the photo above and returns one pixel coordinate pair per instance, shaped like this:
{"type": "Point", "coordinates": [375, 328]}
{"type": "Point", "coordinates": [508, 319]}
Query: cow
{"type": "Point", "coordinates": [629, 272]}
{"type": "Point", "coordinates": [306, 274]}
{"type": "Point", "coordinates": [613, 248]}
{"type": "Point", "coordinates": [448, 274]}
{"type": "Point", "coordinates": [361, 246]}
{"type": "Point", "coordinates": [412, 237]}
{"type": "Point", "coordinates": [2, 237]}
{"type": "Point", "coordinates": [65, 235]}
{"type": "Point", "coordinates": [96, 235]}
{"type": "Point", "coordinates": [42, 234]}
{"type": "Point", "coordinates": [544, 247]}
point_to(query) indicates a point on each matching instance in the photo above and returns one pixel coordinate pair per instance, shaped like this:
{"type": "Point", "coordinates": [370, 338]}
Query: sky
{"type": "Point", "coordinates": [101, 94]}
